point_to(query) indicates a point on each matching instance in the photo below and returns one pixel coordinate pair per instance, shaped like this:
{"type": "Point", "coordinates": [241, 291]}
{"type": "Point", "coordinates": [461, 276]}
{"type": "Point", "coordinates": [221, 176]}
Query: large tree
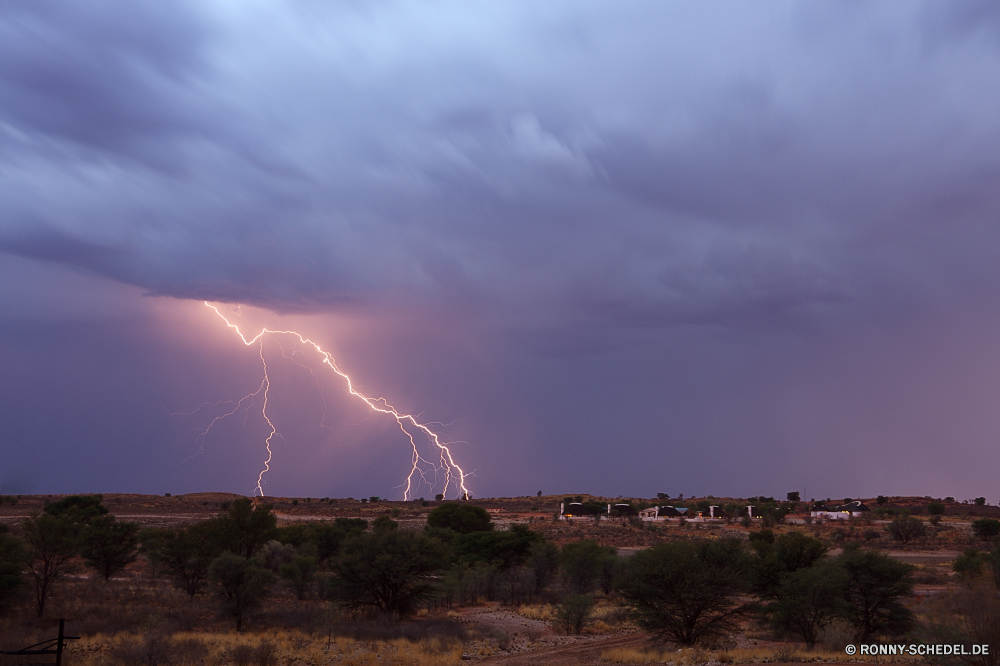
{"type": "Point", "coordinates": [52, 542]}
{"type": "Point", "coordinates": [245, 528]}
{"type": "Point", "coordinates": [778, 556]}
{"type": "Point", "coordinates": [685, 591]}
{"type": "Point", "coordinates": [463, 518]}
{"type": "Point", "coordinates": [808, 599]}
{"type": "Point", "coordinates": [875, 585]}
{"type": "Point", "coordinates": [12, 559]}
{"type": "Point", "coordinates": [582, 564]}
{"type": "Point", "coordinates": [108, 545]}
{"type": "Point", "coordinates": [388, 572]}
{"type": "Point", "coordinates": [240, 585]}
{"type": "Point", "coordinates": [183, 554]}
{"type": "Point", "coordinates": [907, 528]}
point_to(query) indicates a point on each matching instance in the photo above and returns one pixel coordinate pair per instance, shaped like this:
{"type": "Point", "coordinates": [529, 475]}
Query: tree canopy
{"type": "Point", "coordinates": [462, 518]}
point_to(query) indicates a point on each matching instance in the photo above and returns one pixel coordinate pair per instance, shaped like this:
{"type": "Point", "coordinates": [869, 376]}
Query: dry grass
{"type": "Point", "coordinates": [543, 612]}
{"type": "Point", "coordinates": [287, 648]}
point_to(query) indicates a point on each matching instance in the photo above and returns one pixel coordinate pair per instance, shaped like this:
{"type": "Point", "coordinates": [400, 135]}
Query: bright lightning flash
{"type": "Point", "coordinates": [453, 474]}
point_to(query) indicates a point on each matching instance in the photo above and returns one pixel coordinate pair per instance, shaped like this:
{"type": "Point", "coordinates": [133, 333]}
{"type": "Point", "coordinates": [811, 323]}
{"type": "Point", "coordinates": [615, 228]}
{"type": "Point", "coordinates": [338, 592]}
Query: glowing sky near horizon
{"type": "Point", "coordinates": [654, 247]}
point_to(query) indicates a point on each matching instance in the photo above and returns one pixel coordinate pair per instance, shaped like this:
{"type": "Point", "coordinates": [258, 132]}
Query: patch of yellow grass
{"type": "Point", "coordinates": [543, 612]}
{"type": "Point", "coordinates": [293, 648]}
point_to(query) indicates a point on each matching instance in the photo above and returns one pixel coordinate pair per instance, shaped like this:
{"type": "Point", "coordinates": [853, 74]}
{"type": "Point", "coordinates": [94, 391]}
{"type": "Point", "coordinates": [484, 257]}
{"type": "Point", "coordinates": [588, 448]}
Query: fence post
{"type": "Point", "coordinates": [59, 643]}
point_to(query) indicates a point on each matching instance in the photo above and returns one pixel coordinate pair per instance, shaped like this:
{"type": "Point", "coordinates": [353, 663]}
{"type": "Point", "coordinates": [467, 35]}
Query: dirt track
{"type": "Point", "coordinates": [587, 651]}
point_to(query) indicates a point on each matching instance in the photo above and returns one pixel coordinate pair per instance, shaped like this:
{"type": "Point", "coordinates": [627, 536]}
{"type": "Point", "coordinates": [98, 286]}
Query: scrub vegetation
{"type": "Point", "coordinates": [245, 582]}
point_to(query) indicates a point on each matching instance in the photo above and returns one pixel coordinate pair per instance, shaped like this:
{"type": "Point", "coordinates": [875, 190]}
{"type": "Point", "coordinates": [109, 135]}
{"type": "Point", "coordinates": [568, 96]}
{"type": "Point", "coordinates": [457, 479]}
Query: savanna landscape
{"type": "Point", "coordinates": [220, 579]}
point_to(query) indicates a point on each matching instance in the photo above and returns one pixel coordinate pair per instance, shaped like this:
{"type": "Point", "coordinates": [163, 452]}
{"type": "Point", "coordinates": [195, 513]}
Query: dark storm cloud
{"type": "Point", "coordinates": [749, 220]}
{"type": "Point", "coordinates": [650, 165]}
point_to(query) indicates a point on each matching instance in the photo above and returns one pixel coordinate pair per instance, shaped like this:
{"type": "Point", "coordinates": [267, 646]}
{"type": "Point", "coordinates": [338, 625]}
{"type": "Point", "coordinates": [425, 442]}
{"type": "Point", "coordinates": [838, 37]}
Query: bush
{"type": "Point", "coordinates": [109, 546]}
{"type": "Point", "coordinates": [685, 591]}
{"type": "Point", "coordinates": [935, 508]}
{"type": "Point", "coordinates": [240, 585]}
{"type": "Point", "coordinates": [12, 558]}
{"type": "Point", "coordinates": [808, 600]}
{"type": "Point", "coordinates": [573, 612]}
{"type": "Point", "coordinates": [969, 564]}
{"type": "Point", "coordinates": [245, 528]}
{"type": "Point", "coordinates": [906, 528]}
{"type": "Point", "coordinates": [52, 544]}
{"type": "Point", "coordinates": [875, 586]}
{"type": "Point", "coordinates": [389, 572]}
{"type": "Point", "coordinates": [462, 518]}
{"type": "Point", "coordinates": [582, 564]}
{"type": "Point", "coordinates": [986, 528]}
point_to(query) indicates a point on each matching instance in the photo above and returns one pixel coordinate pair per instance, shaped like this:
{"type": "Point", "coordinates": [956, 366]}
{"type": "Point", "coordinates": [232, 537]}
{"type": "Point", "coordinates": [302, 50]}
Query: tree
{"type": "Point", "coordinates": [244, 528]}
{"type": "Point", "coordinates": [300, 574]}
{"type": "Point", "coordinates": [906, 528]}
{"type": "Point", "coordinates": [543, 559]}
{"type": "Point", "coordinates": [109, 546]}
{"type": "Point", "coordinates": [808, 599]}
{"type": "Point", "coordinates": [986, 528]}
{"type": "Point", "coordinates": [793, 496]}
{"type": "Point", "coordinates": [980, 501]}
{"type": "Point", "coordinates": [969, 564]}
{"type": "Point", "coordinates": [383, 523]}
{"type": "Point", "coordinates": [685, 591]}
{"type": "Point", "coordinates": [875, 585]}
{"type": "Point", "coordinates": [463, 518]}
{"type": "Point", "coordinates": [77, 508]}
{"type": "Point", "coordinates": [581, 562]}
{"type": "Point", "coordinates": [52, 544]}
{"type": "Point", "coordinates": [388, 572]}
{"type": "Point", "coordinates": [240, 584]}
{"type": "Point", "coordinates": [13, 556]}
{"type": "Point", "coordinates": [503, 549]}
{"type": "Point", "coordinates": [574, 611]}
{"type": "Point", "coordinates": [785, 554]}
{"type": "Point", "coordinates": [935, 509]}
{"type": "Point", "coordinates": [185, 554]}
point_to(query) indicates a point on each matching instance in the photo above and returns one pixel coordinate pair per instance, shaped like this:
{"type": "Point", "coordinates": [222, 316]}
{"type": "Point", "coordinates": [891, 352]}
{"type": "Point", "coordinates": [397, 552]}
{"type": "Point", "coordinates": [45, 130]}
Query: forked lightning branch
{"type": "Point", "coordinates": [454, 477]}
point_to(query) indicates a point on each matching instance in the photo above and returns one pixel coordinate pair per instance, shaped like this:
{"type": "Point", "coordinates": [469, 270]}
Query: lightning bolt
{"type": "Point", "coordinates": [454, 475]}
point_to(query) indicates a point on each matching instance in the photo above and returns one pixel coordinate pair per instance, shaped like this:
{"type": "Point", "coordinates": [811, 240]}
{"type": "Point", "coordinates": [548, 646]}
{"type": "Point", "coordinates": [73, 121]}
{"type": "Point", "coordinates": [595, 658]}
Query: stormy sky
{"type": "Point", "coordinates": [616, 248]}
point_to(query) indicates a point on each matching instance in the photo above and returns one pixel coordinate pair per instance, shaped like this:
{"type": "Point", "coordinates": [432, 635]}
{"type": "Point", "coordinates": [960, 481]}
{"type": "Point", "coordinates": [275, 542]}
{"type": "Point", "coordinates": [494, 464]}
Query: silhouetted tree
{"type": "Point", "coordinates": [299, 574]}
{"type": "Point", "coordinates": [13, 557]}
{"type": "Point", "coordinates": [184, 554]}
{"type": "Point", "coordinates": [581, 563]}
{"type": "Point", "coordinates": [462, 518]}
{"type": "Point", "coordinates": [240, 585]}
{"type": "Point", "coordinates": [502, 549]}
{"type": "Point", "coordinates": [784, 554]}
{"type": "Point", "coordinates": [806, 600]}
{"type": "Point", "coordinates": [684, 591]}
{"type": "Point", "coordinates": [543, 558]}
{"type": "Point", "coordinates": [875, 586]}
{"type": "Point", "coordinates": [906, 528]}
{"type": "Point", "coordinates": [108, 545]}
{"type": "Point", "coordinates": [52, 544]}
{"type": "Point", "coordinates": [573, 612]}
{"type": "Point", "coordinates": [244, 528]}
{"type": "Point", "coordinates": [77, 508]}
{"type": "Point", "coordinates": [986, 528]}
{"type": "Point", "coordinates": [388, 572]}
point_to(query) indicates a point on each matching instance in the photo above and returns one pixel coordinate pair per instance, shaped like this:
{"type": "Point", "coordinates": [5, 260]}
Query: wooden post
{"type": "Point", "coordinates": [59, 642]}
